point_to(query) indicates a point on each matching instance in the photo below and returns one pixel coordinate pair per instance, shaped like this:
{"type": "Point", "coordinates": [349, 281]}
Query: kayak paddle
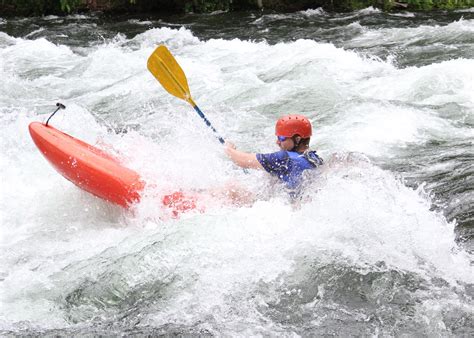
{"type": "Point", "coordinates": [168, 72]}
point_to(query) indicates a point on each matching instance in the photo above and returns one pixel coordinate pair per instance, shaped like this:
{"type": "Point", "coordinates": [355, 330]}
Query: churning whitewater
{"type": "Point", "coordinates": [382, 245]}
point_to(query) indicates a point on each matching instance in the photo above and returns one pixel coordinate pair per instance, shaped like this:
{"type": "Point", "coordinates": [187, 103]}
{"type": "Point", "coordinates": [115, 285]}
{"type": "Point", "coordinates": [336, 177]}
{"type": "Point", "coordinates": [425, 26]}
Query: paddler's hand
{"type": "Point", "coordinates": [229, 147]}
{"type": "Point", "coordinates": [241, 158]}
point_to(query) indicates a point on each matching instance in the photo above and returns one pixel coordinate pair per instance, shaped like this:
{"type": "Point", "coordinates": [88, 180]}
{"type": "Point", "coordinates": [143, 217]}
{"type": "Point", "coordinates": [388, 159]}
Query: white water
{"type": "Point", "coordinates": [218, 271]}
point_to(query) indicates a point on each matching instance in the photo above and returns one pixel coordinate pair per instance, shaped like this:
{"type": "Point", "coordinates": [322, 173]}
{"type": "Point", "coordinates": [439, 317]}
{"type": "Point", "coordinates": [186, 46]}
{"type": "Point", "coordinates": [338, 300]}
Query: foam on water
{"type": "Point", "coordinates": [458, 31]}
{"type": "Point", "coordinates": [435, 84]}
{"type": "Point", "coordinates": [467, 10]}
{"type": "Point", "coordinates": [71, 260]}
{"type": "Point", "coordinates": [313, 12]}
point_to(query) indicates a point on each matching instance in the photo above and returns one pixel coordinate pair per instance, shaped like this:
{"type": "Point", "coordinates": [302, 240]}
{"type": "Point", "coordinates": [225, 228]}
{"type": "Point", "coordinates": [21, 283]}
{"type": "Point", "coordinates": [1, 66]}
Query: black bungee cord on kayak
{"type": "Point", "coordinates": [60, 106]}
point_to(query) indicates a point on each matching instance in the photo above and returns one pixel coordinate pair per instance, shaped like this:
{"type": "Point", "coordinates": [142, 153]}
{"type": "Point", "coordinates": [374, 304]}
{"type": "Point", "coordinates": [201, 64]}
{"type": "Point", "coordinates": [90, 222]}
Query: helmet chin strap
{"type": "Point", "coordinates": [296, 143]}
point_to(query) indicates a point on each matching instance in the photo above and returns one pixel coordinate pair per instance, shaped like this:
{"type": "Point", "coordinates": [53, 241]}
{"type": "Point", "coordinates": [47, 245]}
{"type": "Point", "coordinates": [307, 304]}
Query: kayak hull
{"type": "Point", "coordinates": [88, 167]}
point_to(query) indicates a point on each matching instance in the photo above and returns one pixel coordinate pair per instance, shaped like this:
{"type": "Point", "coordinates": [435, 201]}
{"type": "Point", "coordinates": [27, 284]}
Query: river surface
{"type": "Point", "coordinates": [383, 244]}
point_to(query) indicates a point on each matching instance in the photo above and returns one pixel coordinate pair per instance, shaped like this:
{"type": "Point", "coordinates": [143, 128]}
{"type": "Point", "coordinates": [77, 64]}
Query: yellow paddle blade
{"type": "Point", "coordinates": [167, 71]}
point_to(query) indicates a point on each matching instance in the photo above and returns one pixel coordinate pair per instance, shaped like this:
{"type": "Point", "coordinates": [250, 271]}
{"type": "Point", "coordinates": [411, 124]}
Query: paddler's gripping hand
{"type": "Point", "coordinates": [242, 159]}
{"type": "Point", "coordinates": [229, 147]}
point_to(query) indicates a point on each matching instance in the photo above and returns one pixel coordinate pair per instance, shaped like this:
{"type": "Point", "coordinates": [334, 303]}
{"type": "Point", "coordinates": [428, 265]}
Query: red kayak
{"type": "Point", "coordinates": [97, 172]}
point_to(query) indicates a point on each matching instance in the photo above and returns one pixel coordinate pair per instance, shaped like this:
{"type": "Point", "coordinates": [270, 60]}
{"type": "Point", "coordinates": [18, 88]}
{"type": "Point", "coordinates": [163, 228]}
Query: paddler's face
{"type": "Point", "coordinates": [285, 143]}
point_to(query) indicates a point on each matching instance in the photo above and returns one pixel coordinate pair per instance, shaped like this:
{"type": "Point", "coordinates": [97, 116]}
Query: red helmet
{"type": "Point", "coordinates": [291, 125]}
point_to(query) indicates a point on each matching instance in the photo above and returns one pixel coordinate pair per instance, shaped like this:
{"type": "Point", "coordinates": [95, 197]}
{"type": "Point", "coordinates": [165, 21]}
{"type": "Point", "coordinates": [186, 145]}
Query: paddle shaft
{"type": "Point", "coordinates": [201, 114]}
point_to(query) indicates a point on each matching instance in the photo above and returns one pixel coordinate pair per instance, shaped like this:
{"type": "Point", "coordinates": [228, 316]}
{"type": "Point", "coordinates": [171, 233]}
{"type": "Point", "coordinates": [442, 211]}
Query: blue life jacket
{"type": "Point", "coordinates": [289, 166]}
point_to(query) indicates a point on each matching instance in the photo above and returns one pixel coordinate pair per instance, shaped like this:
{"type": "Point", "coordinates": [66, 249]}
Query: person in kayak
{"type": "Point", "coordinates": [293, 135]}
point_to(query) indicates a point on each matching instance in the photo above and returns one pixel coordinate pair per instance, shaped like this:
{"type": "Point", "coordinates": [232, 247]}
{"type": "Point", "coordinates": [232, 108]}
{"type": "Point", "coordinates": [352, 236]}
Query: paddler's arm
{"type": "Point", "coordinates": [242, 159]}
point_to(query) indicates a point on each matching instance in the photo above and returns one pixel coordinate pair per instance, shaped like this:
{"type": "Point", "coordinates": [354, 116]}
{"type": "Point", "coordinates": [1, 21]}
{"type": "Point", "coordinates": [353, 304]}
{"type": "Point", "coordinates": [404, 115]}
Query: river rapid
{"type": "Point", "coordinates": [382, 246]}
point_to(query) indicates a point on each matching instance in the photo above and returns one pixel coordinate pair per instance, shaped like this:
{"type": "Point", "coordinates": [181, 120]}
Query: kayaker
{"type": "Point", "coordinates": [293, 134]}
